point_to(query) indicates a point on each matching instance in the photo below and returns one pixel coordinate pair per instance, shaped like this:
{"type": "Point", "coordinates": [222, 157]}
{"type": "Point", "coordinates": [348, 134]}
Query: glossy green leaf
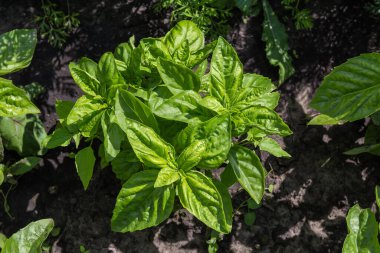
{"type": "Point", "coordinates": [23, 134]}
{"type": "Point", "coordinates": [108, 73]}
{"type": "Point", "coordinates": [263, 118]}
{"type": "Point", "coordinates": [84, 74]}
{"type": "Point", "coordinates": [363, 232]}
{"type": "Point", "coordinates": [24, 165]}
{"type": "Point", "coordinates": [112, 135]}
{"type": "Point", "coordinates": [272, 147]}
{"type": "Point", "coordinates": [125, 164]}
{"type": "Point", "coordinates": [216, 132]}
{"type": "Point", "coordinates": [201, 197]}
{"type": "Point", "coordinates": [85, 162]}
{"type": "Point", "coordinates": [192, 155]}
{"type": "Point", "coordinates": [123, 56]}
{"type": "Point", "coordinates": [248, 170]}
{"type": "Point", "coordinates": [226, 72]}
{"type": "Point", "coordinates": [276, 39]}
{"type": "Point", "coordinates": [352, 90]}
{"type": "Point", "coordinates": [177, 77]}
{"type": "Point", "coordinates": [185, 106]}
{"type": "Point", "coordinates": [30, 238]}
{"type": "Point", "coordinates": [14, 101]}
{"type": "Point", "coordinates": [201, 55]}
{"type": "Point", "coordinates": [59, 138]}
{"type": "Point", "coordinates": [16, 50]}
{"type": "Point", "coordinates": [166, 176]}
{"type": "Point", "coordinates": [148, 146]}
{"type": "Point", "coordinates": [128, 106]}
{"type": "Point", "coordinates": [184, 31]}
{"type": "Point", "coordinates": [140, 205]}
{"type": "Point", "coordinates": [85, 115]}
{"type": "Point", "coordinates": [256, 90]}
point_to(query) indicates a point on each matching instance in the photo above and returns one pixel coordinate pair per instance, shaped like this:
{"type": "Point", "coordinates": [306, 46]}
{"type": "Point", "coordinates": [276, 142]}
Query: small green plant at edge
{"type": "Point", "coordinates": [165, 124]}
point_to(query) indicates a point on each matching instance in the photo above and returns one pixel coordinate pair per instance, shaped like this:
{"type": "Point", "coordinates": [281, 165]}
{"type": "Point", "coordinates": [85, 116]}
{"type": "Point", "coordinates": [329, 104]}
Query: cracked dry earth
{"type": "Point", "coordinates": [312, 191]}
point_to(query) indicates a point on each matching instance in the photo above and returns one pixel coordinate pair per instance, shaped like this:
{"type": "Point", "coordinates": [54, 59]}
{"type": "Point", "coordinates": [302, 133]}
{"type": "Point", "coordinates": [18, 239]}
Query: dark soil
{"type": "Point", "coordinates": [312, 191]}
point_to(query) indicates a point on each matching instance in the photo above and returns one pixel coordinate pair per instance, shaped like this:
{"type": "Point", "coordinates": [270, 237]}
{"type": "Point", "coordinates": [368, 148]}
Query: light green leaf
{"type": "Point", "coordinates": [201, 55]}
{"type": "Point", "coordinates": [200, 196]}
{"type": "Point", "coordinates": [23, 134]}
{"type": "Point", "coordinates": [192, 155]}
{"type": "Point", "coordinates": [30, 238]}
{"type": "Point", "coordinates": [16, 50]}
{"type": "Point", "coordinates": [112, 135]}
{"type": "Point", "coordinates": [166, 177]}
{"type": "Point", "coordinates": [148, 146]}
{"type": "Point", "coordinates": [140, 205]}
{"type": "Point", "coordinates": [248, 170]}
{"type": "Point", "coordinates": [256, 90]}
{"type": "Point", "coordinates": [85, 115]}
{"type": "Point", "coordinates": [216, 132]}
{"type": "Point", "coordinates": [85, 162]}
{"type": "Point", "coordinates": [107, 73]}
{"type": "Point", "coordinates": [352, 90]}
{"type": "Point", "coordinates": [263, 118]}
{"type": "Point", "coordinates": [185, 106]}
{"type": "Point", "coordinates": [84, 74]}
{"type": "Point", "coordinates": [363, 232]}
{"type": "Point", "coordinates": [14, 101]}
{"type": "Point", "coordinates": [128, 106]}
{"type": "Point", "coordinates": [213, 104]}
{"type": "Point", "coordinates": [272, 146]}
{"type": "Point", "coordinates": [184, 31]}
{"type": "Point", "coordinates": [226, 72]}
{"type": "Point", "coordinates": [276, 39]}
{"type": "Point", "coordinates": [123, 54]}
{"type": "Point", "coordinates": [177, 77]}
{"type": "Point", "coordinates": [24, 165]}
{"type": "Point", "coordinates": [323, 119]}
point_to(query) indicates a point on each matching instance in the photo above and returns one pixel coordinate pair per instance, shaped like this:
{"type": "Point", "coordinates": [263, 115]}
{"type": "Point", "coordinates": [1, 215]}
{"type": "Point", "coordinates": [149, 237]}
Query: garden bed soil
{"type": "Point", "coordinates": [313, 190]}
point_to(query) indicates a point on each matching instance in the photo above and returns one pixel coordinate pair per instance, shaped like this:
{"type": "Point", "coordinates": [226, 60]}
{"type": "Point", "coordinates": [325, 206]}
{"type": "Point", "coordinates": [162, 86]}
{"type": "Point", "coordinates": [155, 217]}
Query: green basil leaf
{"type": "Point", "coordinates": [185, 106]}
{"type": "Point", "coordinates": [85, 115]}
{"type": "Point", "coordinates": [148, 146]}
{"type": "Point", "coordinates": [192, 155]}
{"type": "Point", "coordinates": [263, 118]}
{"type": "Point", "coordinates": [30, 238]}
{"type": "Point", "coordinates": [226, 72]}
{"type": "Point", "coordinates": [213, 104]}
{"type": "Point", "coordinates": [23, 134]}
{"type": "Point", "coordinates": [323, 119]}
{"type": "Point", "coordinates": [24, 165]}
{"type": "Point", "coordinates": [184, 32]}
{"type": "Point", "coordinates": [272, 147]}
{"type": "Point", "coordinates": [276, 39]}
{"type": "Point", "coordinates": [152, 50]}
{"type": "Point", "coordinates": [14, 101]}
{"type": "Point", "coordinates": [248, 170]}
{"type": "Point", "coordinates": [377, 195]}
{"type": "Point", "coordinates": [84, 74]}
{"type": "Point", "coordinates": [201, 55]}
{"type": "Point", "coordinates": [1, 150]}
{"type": "Point", "coordinates": [166, 177]}
{"type": "Point", "coordinates": [352, 90]}
{"type": "Point", "coordinates": [140, 205]}
{"type": "Point", "coordinates": [216, 132]}
{"type": "Point", "coordinates": [177, 77]}
{"type": "Point", "coordinates": [228, 177]}
{"type": "Point", "coordinates": [201, 197]}
{"type": "Point", "coordinates": [85, 162]}
{"type": "Point", "coordinates": [125, 165]}
{"type": "Point", "coordinates": [123, 55]}
{"type": "Point", "coordinates": [372, 149]}
{"type": "Point", "coordinates": [107, 73]}
{"type": "Point", "coordinates": [363, 231]}
{"type": "Point", "coordinates": [256, 90]}
{"type": "Point", "coordinates": [128, 106]}
{"type": "Point", "coordinates": [63, 109]}
{"type": "Point", "coordinates": [112, 135]}
{"type": "Point", "coordinates": [16, 50]}
{"type": "Point", "coordinates": [61, 137]}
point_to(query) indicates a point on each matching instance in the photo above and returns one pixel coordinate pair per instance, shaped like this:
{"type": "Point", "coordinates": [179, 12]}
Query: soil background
{"type": "Point", "coordinates": [312, 191]}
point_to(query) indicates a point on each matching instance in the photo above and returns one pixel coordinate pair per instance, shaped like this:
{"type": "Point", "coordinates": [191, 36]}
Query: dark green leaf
{"type": "Point", "coordinates": [85, 162]}
{"type": "Point", "coordinates": [24, 165]}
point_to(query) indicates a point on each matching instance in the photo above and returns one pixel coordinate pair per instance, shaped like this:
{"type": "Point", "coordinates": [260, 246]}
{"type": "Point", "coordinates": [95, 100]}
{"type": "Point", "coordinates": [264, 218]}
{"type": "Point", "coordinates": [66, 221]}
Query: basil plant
{"type": "Point", "coordinates": [20, 128]}
{"type": "Point", "coordinates": [166, 117]}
